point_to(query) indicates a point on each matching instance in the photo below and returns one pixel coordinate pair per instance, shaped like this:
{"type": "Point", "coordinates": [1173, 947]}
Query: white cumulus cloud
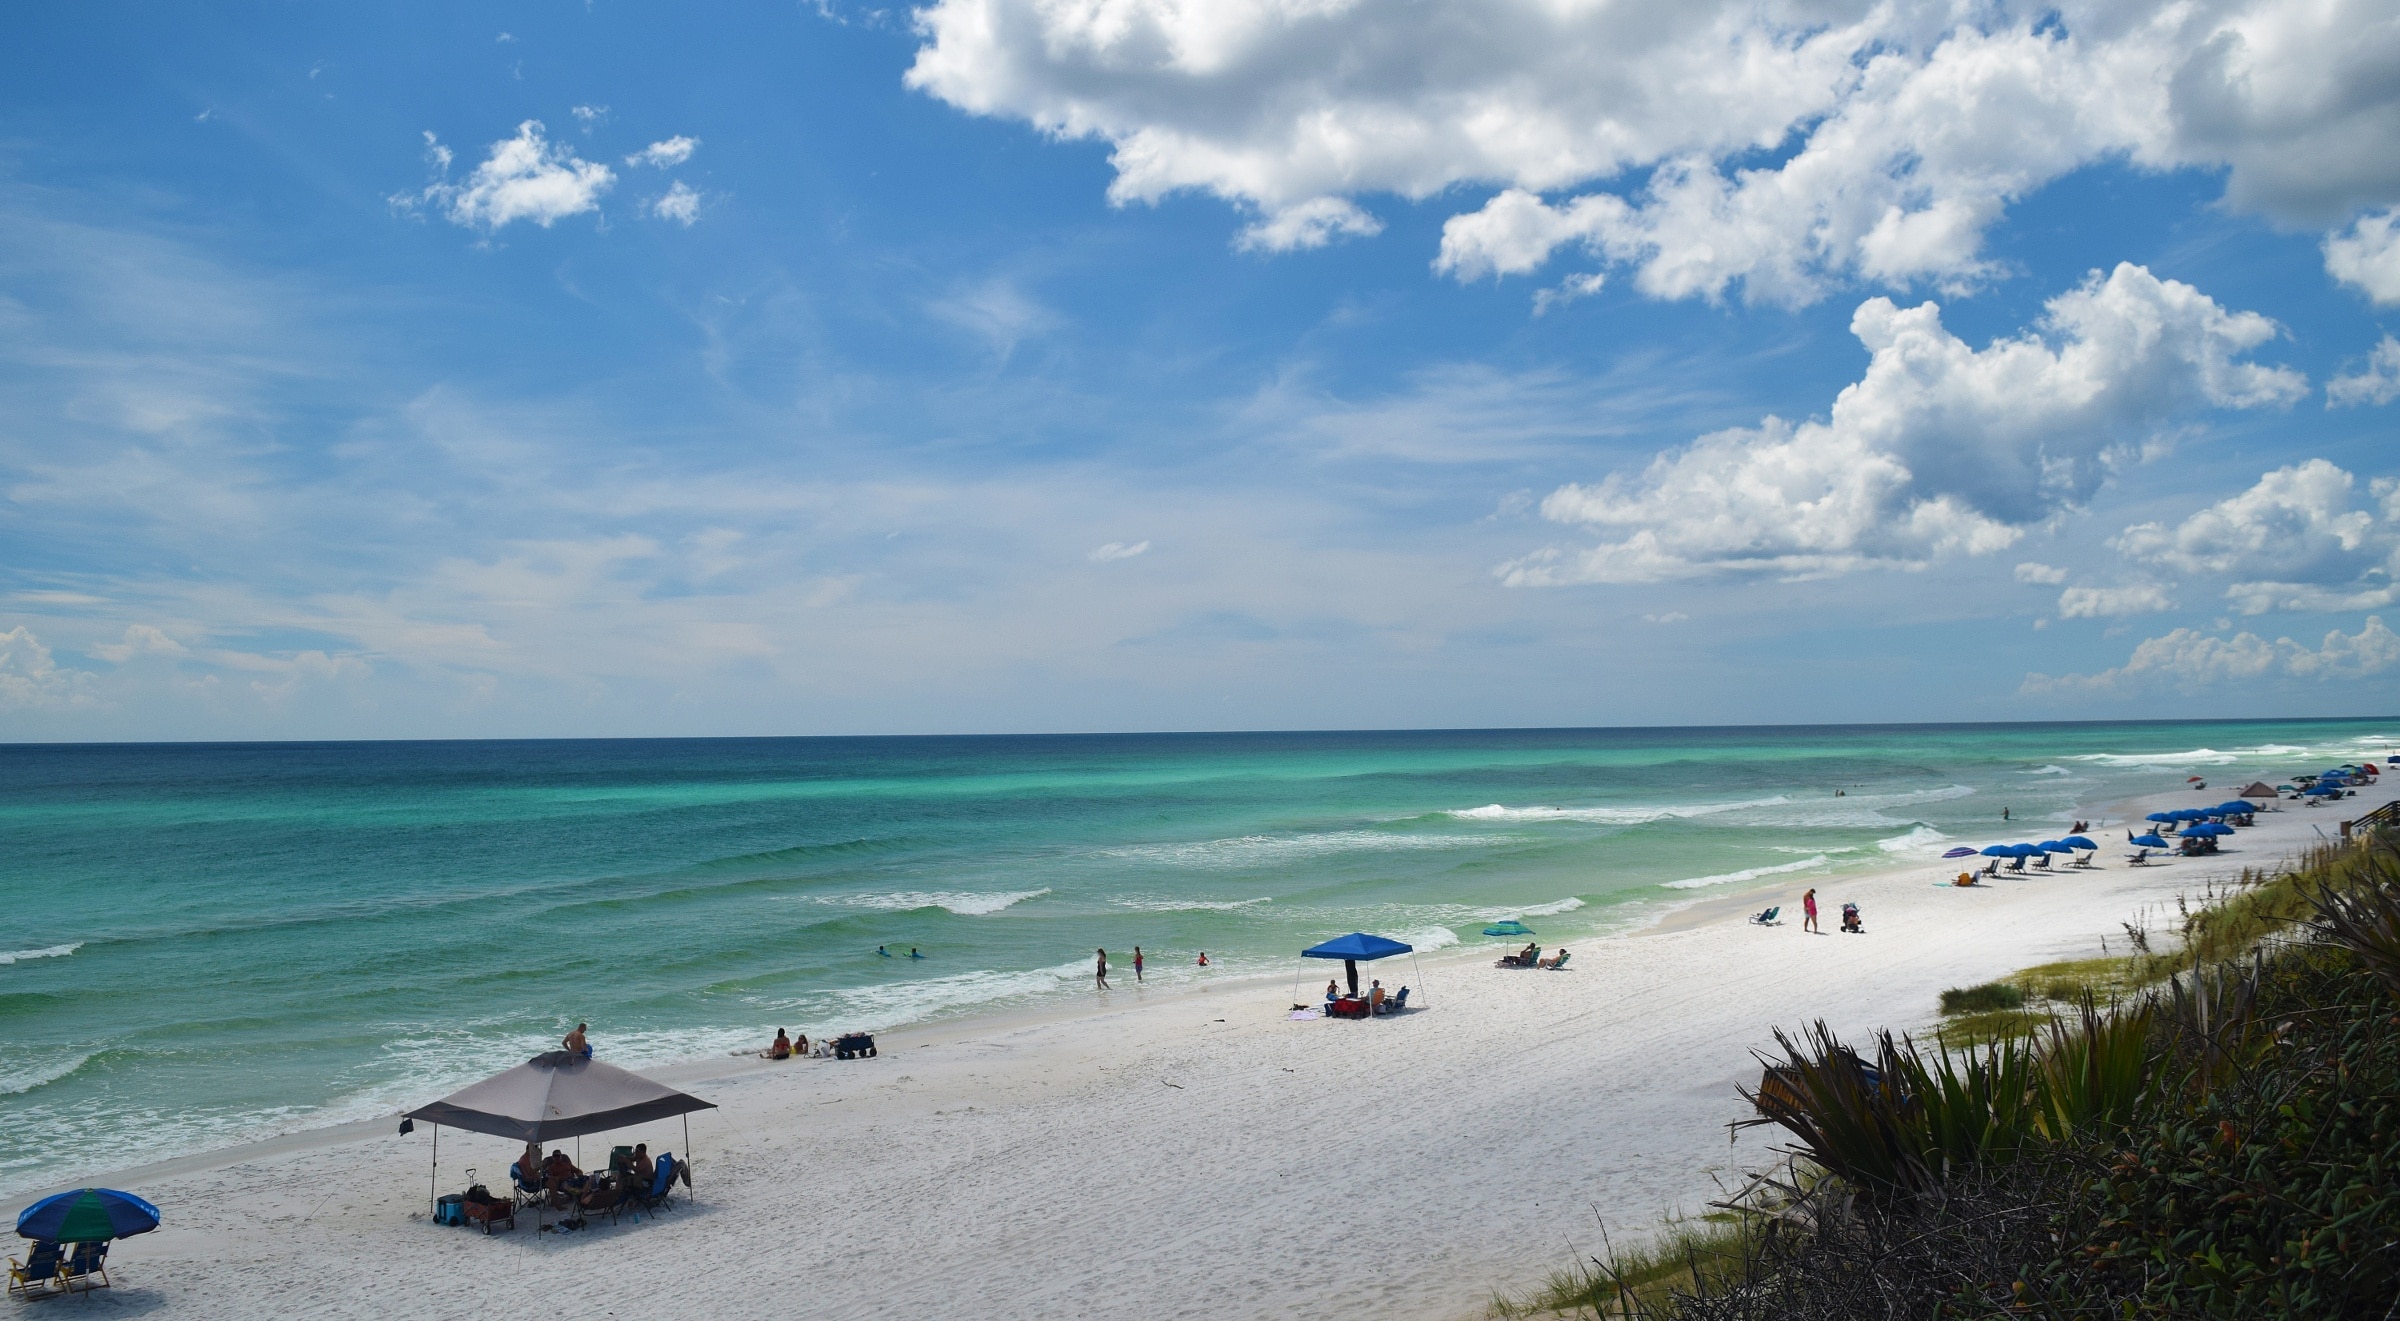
{"type": "Point", "coordinates": [2376, 383]}
{"type": "Point", "coordinates": [2296, 540]}
{"type": "Point", "coordinates": [679, 204]}
{"type": "Point", "coordinates": [2191, 660]}
{"type": "Point", "coordinates": [2113, 602]}
{"type": "Point", "coordinates": [666, 153]}
{"type": "Point", "coordinates": [1939, 448]}
{"type": "Point", "coordinates": [29, 677]}
{"type": "Point", "coordinates": [2367, 256]}
{"type": "Point", "coordinates": [1117, 550]}
{"type": "Point", "coordinates": [1898, 132]}
{"type": "Point", "coordinates": [2039, 574]}
{"type": "Point", "coordinates": [526, 177]}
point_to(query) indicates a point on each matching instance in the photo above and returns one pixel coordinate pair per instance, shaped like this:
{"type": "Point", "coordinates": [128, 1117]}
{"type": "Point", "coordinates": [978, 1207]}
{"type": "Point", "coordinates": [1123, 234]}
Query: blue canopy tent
{"type": "Point", "coordinates": [1359, 947]}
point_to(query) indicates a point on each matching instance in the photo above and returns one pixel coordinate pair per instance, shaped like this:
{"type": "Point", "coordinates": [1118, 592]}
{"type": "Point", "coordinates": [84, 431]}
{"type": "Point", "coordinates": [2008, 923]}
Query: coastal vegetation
{"type": "Point", "coordinates": [2207, 1125]}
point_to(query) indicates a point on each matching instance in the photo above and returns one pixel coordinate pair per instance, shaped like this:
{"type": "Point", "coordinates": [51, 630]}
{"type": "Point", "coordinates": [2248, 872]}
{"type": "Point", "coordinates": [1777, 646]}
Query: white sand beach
{"type": "Point", "coordinates": [1180, 1153]}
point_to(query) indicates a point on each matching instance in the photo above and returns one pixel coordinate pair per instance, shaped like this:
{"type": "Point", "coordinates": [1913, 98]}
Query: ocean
{"type": "Point", "coordinates": [207, 944]}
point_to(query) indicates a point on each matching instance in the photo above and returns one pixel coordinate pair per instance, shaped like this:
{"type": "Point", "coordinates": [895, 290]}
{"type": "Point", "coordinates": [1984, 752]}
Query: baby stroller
{"type": "Point", "coordinates": [1850, 922]}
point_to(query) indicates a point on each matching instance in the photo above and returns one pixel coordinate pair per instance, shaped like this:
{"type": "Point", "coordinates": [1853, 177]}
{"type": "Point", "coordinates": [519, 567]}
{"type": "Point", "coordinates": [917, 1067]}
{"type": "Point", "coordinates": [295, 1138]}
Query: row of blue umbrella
{"type": "Point", "coordinates": [2235, 808]}
{"type": "Point", "coordinates": [2068, 845]}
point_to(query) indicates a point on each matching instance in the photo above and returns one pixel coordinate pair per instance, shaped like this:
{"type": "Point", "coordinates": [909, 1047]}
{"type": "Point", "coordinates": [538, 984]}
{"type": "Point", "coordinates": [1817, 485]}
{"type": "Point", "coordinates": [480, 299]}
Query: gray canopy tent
{"type": "Point", "coordinates": [557, 1095]}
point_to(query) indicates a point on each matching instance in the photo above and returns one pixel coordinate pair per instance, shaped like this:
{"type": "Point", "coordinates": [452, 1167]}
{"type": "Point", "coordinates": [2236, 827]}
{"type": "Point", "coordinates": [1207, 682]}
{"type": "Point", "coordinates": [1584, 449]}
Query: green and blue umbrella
{"type": "Point", "coordinates": [1511, 927]}
{"type": "Point", "coordinates": [87, 1215]}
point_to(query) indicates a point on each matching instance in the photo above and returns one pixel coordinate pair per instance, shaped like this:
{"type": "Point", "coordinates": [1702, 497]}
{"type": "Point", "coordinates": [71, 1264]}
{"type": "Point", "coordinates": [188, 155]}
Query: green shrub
{"type": "Point", "coordinates": [1982, 999]}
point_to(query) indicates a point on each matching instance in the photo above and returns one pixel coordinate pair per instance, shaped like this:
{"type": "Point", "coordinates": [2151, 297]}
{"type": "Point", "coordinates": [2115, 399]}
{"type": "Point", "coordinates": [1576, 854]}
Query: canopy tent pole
{"type": "Point", "coordinates": [433, 1177]}
{"type": "Point", "coordinates": [687, 1149]}
{"type": "Point", "coordinates": [1420, 971]}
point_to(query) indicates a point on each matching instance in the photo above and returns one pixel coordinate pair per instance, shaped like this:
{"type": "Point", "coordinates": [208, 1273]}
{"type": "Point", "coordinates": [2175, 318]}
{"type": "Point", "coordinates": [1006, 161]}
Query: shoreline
{"type": "Point", "coordinates": [1197, 1139]}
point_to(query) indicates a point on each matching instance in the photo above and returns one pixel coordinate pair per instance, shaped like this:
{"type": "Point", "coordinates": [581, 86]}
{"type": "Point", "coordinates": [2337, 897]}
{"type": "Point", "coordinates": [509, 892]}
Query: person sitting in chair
{"type": "Point", "coordinates": [1375, 997]}
{"type": "Point", "coordinates": [645, 1170]}
{"type": "Point", "coordinates": [559, 1173]}
{"type": "Point", "coordinates": [1554, 961]}
{"type": "Point", "coordinates": [1333, 990]}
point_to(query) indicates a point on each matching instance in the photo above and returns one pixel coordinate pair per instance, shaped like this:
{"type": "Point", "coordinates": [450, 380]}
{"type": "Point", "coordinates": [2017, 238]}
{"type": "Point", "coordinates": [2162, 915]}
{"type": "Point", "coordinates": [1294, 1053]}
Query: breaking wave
{"type": "Point", "coordinates": [1611, 816]}
{"type": "Point", "coordinates": [1751, 873]}
{"type": "Point", "coordinates": [52, 952]}
{"type": "Point", "coordinates": [1252, 850]}
{"type": "Point", "coordinates": [962, 903]}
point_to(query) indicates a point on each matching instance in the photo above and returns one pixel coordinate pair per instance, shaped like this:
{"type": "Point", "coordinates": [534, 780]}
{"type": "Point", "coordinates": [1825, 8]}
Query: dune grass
{"type": "Point", "coordinates": [2197, 1125]}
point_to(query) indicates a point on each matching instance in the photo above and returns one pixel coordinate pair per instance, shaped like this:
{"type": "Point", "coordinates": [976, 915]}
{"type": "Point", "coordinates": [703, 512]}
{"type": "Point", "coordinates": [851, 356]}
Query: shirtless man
{"type": "Point", "coordinates": [558, 1171]}
{"type": "Point", "coordinates": [575, 1043]}
{"type": "Point", "coordinates": [645, 1170]}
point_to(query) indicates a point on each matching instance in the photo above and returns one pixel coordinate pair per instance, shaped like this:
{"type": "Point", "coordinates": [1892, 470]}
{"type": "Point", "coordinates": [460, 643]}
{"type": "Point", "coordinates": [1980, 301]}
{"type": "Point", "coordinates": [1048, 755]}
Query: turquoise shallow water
{"type": "Point", "coordinates": [212, 943]}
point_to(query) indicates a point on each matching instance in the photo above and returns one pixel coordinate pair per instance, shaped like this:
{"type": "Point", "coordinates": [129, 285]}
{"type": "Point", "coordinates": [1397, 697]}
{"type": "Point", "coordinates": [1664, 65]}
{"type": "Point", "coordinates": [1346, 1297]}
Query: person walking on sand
{"type": "Point", "coordinates": [1137, 963]}
{"type": "Point", "coordinates": [1808, 904]}
{"type": "Point", "coordinates": [1100, 970]}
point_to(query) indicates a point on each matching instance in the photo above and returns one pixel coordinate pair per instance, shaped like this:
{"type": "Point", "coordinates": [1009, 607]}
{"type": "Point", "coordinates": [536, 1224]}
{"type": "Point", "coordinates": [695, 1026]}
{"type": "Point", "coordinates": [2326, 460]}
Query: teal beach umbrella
{"type": "Point", "coordinates": [1511, 927]}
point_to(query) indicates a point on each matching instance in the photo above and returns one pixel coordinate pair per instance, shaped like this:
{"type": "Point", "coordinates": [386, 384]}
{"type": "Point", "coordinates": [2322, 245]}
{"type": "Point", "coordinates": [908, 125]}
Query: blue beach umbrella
{"type": "Point", "coordinates": [2024, 850]}
{"type": "Point", "coordinates": [2056, 846]}
{"type": "Point", "coordinates": [1511, 927]}
{"type": "Point", "coordinates": [2160, 816]}
{"type": "Point", "coordinates": [2147, 842]}
{"type": "Point", "coordinates": [2078, 842]}
{"type": "Point", "coordinates": [2209, 830]}
{"type": "Point", "coordinates": [87, 1215]}
{"type": "Point", "coordinates": [1997, 851]}
{"type": "Point", "coordinates": [1354, 948]}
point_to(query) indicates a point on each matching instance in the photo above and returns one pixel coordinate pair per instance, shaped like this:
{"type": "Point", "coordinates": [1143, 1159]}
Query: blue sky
{"type": "Point", "coordinates": [603, 369]}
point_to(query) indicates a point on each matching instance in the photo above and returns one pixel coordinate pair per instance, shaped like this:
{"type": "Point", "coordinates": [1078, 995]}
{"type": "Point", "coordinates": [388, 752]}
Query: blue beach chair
{"type": "Point", "coordinates": [38, 1275]}
{"type": "Point", "coordinates": [1767, 918]}
{"type": "Point", "coordinates": [87, 1269]}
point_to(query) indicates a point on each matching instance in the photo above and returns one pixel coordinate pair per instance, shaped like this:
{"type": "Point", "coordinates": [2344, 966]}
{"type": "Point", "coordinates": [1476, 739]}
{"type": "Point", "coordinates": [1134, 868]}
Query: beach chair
{"type": "Point", "coordinates": [1555, 964]}
{"type": "Point", "coordinates": [2141, 859]}
{"type": "Point", "coordinates": [656, 1196]}
{"type": "Point", "coordinates": [1769, 918]}
{"type": "Point", "coordinates": [86, 1270]}
{"type": "Point", "coordinates": [1397, 1002]}
{"type": "Point", "coordinates": [38, 1275]}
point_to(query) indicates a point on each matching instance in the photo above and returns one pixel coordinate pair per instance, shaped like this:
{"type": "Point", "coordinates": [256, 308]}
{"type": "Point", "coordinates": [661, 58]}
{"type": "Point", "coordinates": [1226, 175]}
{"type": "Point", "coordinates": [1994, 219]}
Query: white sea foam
{"type": "Point", "coordinates": [1751, 873]}
{"type": "Point", "coordinates": [1566, 905]}
{"type": "Point", "coordinates": [20, 1076]}
{"type": "Point", "coordinates": [1190, 905]}
{"type": "Point", "coordinates": [2050, 770]}
{"type": "Point", "coordinates": [1254, 850]}
{"type": "Point", "coordinates": [1425, 939]}
{"type": "Point", "coordinates": [2193, 756]}
{"type": "Point", "coordinates": [1611, 816]}
{"type": "Point", "coordinates": [962, 902]}
{"type": "Point", "coordinates": [53, 952]}
{"type": "Point", "coordinates": [1921, 838]}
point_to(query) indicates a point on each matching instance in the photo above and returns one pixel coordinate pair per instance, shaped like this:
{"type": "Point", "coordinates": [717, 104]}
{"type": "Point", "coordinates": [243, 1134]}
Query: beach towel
{"type": "Point", "coordinates": [1301, 1014]}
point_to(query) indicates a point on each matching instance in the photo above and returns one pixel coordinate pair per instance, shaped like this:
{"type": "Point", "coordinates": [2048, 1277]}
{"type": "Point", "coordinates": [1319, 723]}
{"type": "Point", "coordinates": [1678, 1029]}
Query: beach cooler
{"type": "Point", "coordinates": [450, 1209]}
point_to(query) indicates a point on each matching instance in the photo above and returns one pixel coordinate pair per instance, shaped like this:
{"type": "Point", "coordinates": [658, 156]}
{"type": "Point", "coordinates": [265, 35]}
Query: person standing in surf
{"type": "Point", "coordinates": [1808, 904]}
{"type": "Point", "coordinates": [1100, 970]}
{"type": "Point", "coordinates": [1137, 963]}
